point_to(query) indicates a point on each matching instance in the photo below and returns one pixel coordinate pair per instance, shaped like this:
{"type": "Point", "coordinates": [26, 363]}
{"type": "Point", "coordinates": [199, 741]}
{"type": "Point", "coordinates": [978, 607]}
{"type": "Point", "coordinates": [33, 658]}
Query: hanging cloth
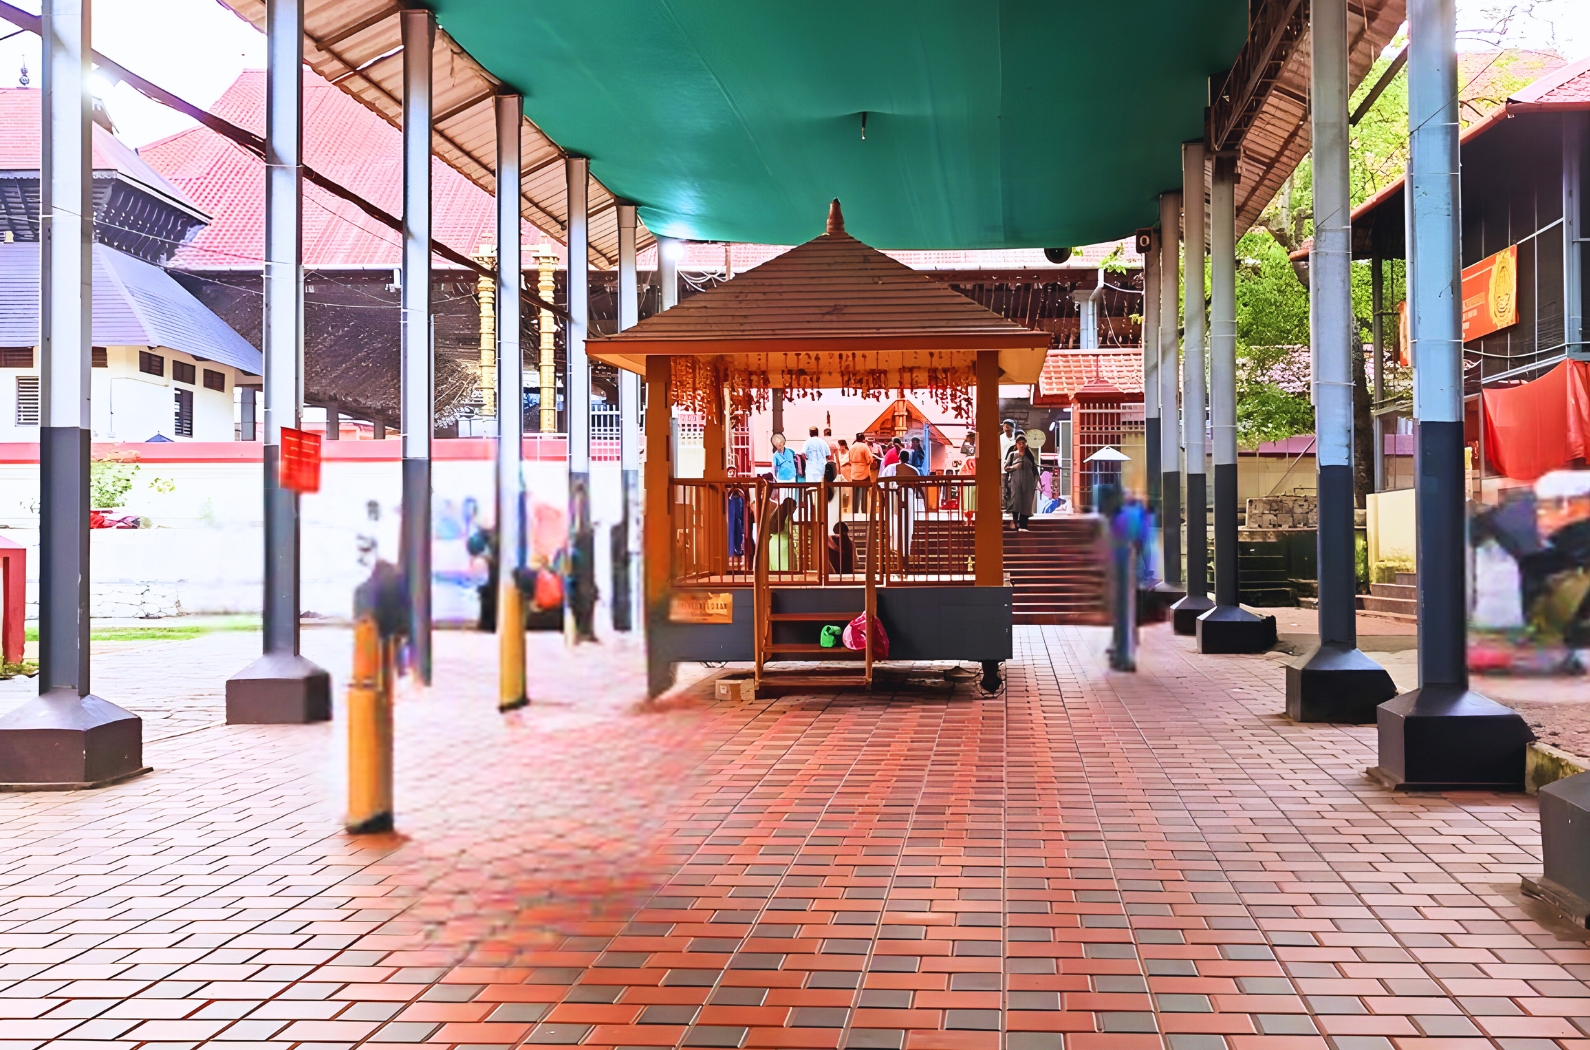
{"type": "Point", "coordinates": [736, 510]}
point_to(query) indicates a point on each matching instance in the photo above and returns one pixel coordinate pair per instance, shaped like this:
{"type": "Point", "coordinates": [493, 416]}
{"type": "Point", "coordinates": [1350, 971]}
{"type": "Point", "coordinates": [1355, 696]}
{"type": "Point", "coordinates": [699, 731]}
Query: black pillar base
{"type": "Point", "coordinates": [1154, 605]}
{"type": "Point", "coordinates": [278, 689]}
{"type": "Point", "coordinates": [1565, 847]}
{"type": "Point", "coordinates": [1184, 614]}
{"type": "Point", "coordinates": [63, 742]}
{"type": "Point", "coordinates": [1446, 738]}
{"type": "Point", "coordinates": [1233, 629]}
{"type": "Point", "coordinates": [1337, 683]}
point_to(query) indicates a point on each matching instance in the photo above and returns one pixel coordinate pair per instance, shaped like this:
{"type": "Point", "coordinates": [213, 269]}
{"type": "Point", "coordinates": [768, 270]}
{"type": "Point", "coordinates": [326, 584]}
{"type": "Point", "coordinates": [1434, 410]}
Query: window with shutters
{"type": "Point", "coordinates": [16, 357]}
{"type": "Point", "coordinates": [27, 401]}
{"type": "Point", "coordinates": [183, 372]}
{"type": "Point", "coordinates": [151, 364]}
{"type": "Point", "coordinates": [184, 422]}
{"type": "Point", "coordinates": [214, 380]}
{"type": "Point", "coordinates": [99, 357]}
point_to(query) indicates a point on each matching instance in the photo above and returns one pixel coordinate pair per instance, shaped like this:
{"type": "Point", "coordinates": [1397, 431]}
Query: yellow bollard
{"type": "Point", "coordinates": [511, 692]}
{"type": "Point", "coordinates": [370, 731]}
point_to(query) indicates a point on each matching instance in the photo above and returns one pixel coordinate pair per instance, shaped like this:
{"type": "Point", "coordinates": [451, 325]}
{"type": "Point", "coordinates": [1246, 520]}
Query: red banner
{"type": "Point", "coordinates": [300, 466]}
{"type": "Point", "coordinates": [1490, 294]}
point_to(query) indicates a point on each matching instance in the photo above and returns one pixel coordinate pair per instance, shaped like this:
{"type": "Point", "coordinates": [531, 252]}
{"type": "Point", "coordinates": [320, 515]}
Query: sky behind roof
{"type": "Point", "coordinates": [196, 48]}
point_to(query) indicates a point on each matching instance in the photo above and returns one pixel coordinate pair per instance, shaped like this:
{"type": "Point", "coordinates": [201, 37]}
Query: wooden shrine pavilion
{"type": "Point", "coordinates": [747, 569]}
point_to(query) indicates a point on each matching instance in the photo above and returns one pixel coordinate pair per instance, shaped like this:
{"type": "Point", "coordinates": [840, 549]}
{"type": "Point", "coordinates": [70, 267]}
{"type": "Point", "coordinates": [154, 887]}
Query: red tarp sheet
{"type": "Point", "coordinates": [1539, 426]}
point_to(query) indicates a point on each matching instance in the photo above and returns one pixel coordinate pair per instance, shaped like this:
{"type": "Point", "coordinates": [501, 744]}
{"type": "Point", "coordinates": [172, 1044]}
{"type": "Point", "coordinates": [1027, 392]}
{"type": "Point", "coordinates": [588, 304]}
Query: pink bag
{"type": "Point", "coordinates": [855, 637]}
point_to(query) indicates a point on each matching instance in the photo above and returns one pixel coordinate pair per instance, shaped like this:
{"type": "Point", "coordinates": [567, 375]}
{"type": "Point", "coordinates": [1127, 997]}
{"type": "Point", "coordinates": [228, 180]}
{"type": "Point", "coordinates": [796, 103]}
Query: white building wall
{"type": "Point", "coordinates": [129, 405]}
{"type": "Point", "coordinates": [204, 549]}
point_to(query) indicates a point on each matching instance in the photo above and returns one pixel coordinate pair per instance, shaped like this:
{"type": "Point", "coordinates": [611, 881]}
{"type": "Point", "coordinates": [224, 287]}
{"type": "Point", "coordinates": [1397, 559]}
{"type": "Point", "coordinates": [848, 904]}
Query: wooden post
{"type": "Point", "coordinates": [714, 442]}
{"type": "Point", "coordinates": [657, 521]}
{"type": "Point", "coordinates": [989, 524]}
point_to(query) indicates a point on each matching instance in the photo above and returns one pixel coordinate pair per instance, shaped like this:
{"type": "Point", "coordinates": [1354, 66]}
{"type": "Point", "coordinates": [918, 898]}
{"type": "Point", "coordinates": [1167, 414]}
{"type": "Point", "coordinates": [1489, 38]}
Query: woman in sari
{"type": "Point", "coordinates": [1021, 470]}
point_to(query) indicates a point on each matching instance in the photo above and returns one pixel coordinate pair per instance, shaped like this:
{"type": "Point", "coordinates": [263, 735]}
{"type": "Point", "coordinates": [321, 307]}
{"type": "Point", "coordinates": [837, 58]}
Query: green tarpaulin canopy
{"type": "Point", "coordinates": [1016, 123]}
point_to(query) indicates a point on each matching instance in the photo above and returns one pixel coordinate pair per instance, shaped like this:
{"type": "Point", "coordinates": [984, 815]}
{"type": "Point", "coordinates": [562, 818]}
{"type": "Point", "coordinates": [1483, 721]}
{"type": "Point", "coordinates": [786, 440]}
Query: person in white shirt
{"type": "Point", "coordinates": [816, 452]}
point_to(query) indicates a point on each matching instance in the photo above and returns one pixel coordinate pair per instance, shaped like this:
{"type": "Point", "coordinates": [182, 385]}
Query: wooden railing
{"type": "Point", "coordinates": [925, 532]}
{"type": "Point", "coordinates": [897, 531]}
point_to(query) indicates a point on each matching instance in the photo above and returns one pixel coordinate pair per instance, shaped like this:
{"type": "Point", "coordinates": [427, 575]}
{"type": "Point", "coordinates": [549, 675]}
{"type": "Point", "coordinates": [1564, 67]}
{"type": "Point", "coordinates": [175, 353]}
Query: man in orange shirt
{"type": "Point", "coordinates": [859, 467]}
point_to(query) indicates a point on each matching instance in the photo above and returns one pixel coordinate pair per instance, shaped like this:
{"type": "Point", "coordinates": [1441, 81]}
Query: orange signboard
{"type": "Point", "coordinates": [300, 466]}
{"type": "Point", "coordinates": [1490, 294]}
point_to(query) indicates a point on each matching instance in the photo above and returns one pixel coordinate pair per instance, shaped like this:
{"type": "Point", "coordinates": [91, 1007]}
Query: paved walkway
{"type": "Point", "coordinates": [1091, 861]}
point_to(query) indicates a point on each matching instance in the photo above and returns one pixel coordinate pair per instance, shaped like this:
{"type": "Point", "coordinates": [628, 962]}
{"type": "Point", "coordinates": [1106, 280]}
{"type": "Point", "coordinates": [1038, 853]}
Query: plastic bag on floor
{"type": "Point", "coordinates": [855, 637]}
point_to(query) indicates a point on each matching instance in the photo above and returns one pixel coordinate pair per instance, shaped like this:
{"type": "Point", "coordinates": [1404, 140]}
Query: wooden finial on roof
{"type": "Point", "coordinates": [836, 218]}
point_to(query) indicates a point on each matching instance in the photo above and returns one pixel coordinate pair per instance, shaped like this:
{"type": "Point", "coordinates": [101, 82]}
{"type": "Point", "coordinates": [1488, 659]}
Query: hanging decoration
{"type": "Point", "coordinates": [699, 383]}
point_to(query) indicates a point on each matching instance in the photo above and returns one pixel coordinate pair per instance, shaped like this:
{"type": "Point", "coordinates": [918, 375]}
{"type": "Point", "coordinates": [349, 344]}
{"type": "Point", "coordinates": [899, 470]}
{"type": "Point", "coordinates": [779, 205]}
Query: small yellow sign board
{"type": "Point", "coordinates": [701, 607]}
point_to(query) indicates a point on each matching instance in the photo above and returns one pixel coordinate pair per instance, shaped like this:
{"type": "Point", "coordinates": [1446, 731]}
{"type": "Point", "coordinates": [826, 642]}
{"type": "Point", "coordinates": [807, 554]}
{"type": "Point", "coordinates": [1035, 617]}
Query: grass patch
{"type": "Point", "coordinates": [26, 667]}
{"type": "Point", "coordinates": [171, 633]}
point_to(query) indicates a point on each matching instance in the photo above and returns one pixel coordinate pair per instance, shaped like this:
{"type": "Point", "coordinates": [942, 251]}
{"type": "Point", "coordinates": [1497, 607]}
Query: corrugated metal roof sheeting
{"type": "Point", "coordinates": [135, 304]}
{"type": "Point", "coordinates": [341, 36]}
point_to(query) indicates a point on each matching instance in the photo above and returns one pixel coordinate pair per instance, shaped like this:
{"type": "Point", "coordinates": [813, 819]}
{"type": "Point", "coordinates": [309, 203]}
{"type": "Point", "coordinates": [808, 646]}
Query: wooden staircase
{"type": "Point", "coordinates": [786, 632]}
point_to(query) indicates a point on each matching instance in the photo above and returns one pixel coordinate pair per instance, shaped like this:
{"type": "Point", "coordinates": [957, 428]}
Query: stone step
{"type": "Point", "coordinates": [1394, 590]}
{"type": "Point", "coordinates": [1391, 606]}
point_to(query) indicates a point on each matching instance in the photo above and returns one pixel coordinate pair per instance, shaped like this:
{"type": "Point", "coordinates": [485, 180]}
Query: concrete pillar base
{"type": "Point", "coordinates": [1565, 847]}
{"type": "Point", "coordinates": [278, 689]}
{"type": "Point", "coordinates": [1447, 738]}
{"type": "Point", "coordinates": [1155, 604]}
{"type": "Point", "coordinates": [1184, 614]}
{"type": "Point", "coordinates": [1233, 629]}
{"type": "Point", "coordinates": [1337, 683]}
{"type": "Point", "coordinates": [65, 742]}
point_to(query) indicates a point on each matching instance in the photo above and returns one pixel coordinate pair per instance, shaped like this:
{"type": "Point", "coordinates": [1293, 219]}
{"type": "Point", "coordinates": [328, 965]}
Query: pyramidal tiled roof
{"type": "Point", "coordinates": [832, 291]}
{"type": "Point", "coordinates": [21, 137]}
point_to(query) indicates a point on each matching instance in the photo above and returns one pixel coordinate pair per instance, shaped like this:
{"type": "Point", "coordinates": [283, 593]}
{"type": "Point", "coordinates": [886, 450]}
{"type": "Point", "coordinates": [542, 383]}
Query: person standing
{"type": "Point", "coordinates": [1007, 441]}
{"type": "Point", "coordinates": [916, 455]}
{"type": "Point", "coordinates": [783, 460]}
{"type": "Point", "coordinates": [1021, 486]}
{"type": "Point", "coordinates": [816, 452]}
{"type": "Point", "coordinates": [859, 466]}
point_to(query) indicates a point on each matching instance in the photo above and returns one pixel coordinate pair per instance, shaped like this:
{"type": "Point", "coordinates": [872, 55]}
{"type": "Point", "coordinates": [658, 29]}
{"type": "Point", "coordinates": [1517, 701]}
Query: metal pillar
{"type": "Point", "coordinates": [66, 737]}
{"type": "Point", "coordinates": [419, 375]}
{"type": "Point", "coordinates": [626, 536]}
{"type": "Point", "coordinates": [282, 686]}
{"type": "Point", "coordinates": [1087, 301]}
{"type": "Point", "coordinates": [668, 252]}
{"type": "Point", "coordinates": [1377, 330]}
{"type": "Point", "coordinates": [580, 622]}
{"type": "Point", "coordinates": [1440, 735]}
{"type": "Point", "coordinates": [1573, 235]}
{"type": "Point", "coordinates": [1185, 613]}
{"type": "Point", "coordinates": [1333, 682]}
{"type": "Point", "coordinates": [1151, 409]}
{"type": "Point", "coordinates": [248, 423]}
{"type": "Point", "coordinates": [512, 686]}
{"type": "Point", "coordinates": [1227, 628]}
{"type": "Point", "coordinates": [1169, 407]}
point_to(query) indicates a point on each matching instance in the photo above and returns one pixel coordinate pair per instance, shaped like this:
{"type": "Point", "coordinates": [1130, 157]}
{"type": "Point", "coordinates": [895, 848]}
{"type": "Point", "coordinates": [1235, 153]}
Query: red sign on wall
{"type": "Point", "coordinates": [300, 467]}
{"type": "Point", "coordinates": [1490, 294]}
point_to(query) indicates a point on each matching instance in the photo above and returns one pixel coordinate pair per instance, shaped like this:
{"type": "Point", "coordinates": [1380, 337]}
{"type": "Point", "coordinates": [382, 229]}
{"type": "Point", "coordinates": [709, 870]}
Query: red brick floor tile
{"type": "Point", "coordinates": [610, 872]}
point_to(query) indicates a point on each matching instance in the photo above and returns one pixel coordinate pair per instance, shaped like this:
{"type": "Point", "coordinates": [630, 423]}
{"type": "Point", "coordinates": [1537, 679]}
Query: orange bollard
{"type": "Point", "coordinates": [370, 731]}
